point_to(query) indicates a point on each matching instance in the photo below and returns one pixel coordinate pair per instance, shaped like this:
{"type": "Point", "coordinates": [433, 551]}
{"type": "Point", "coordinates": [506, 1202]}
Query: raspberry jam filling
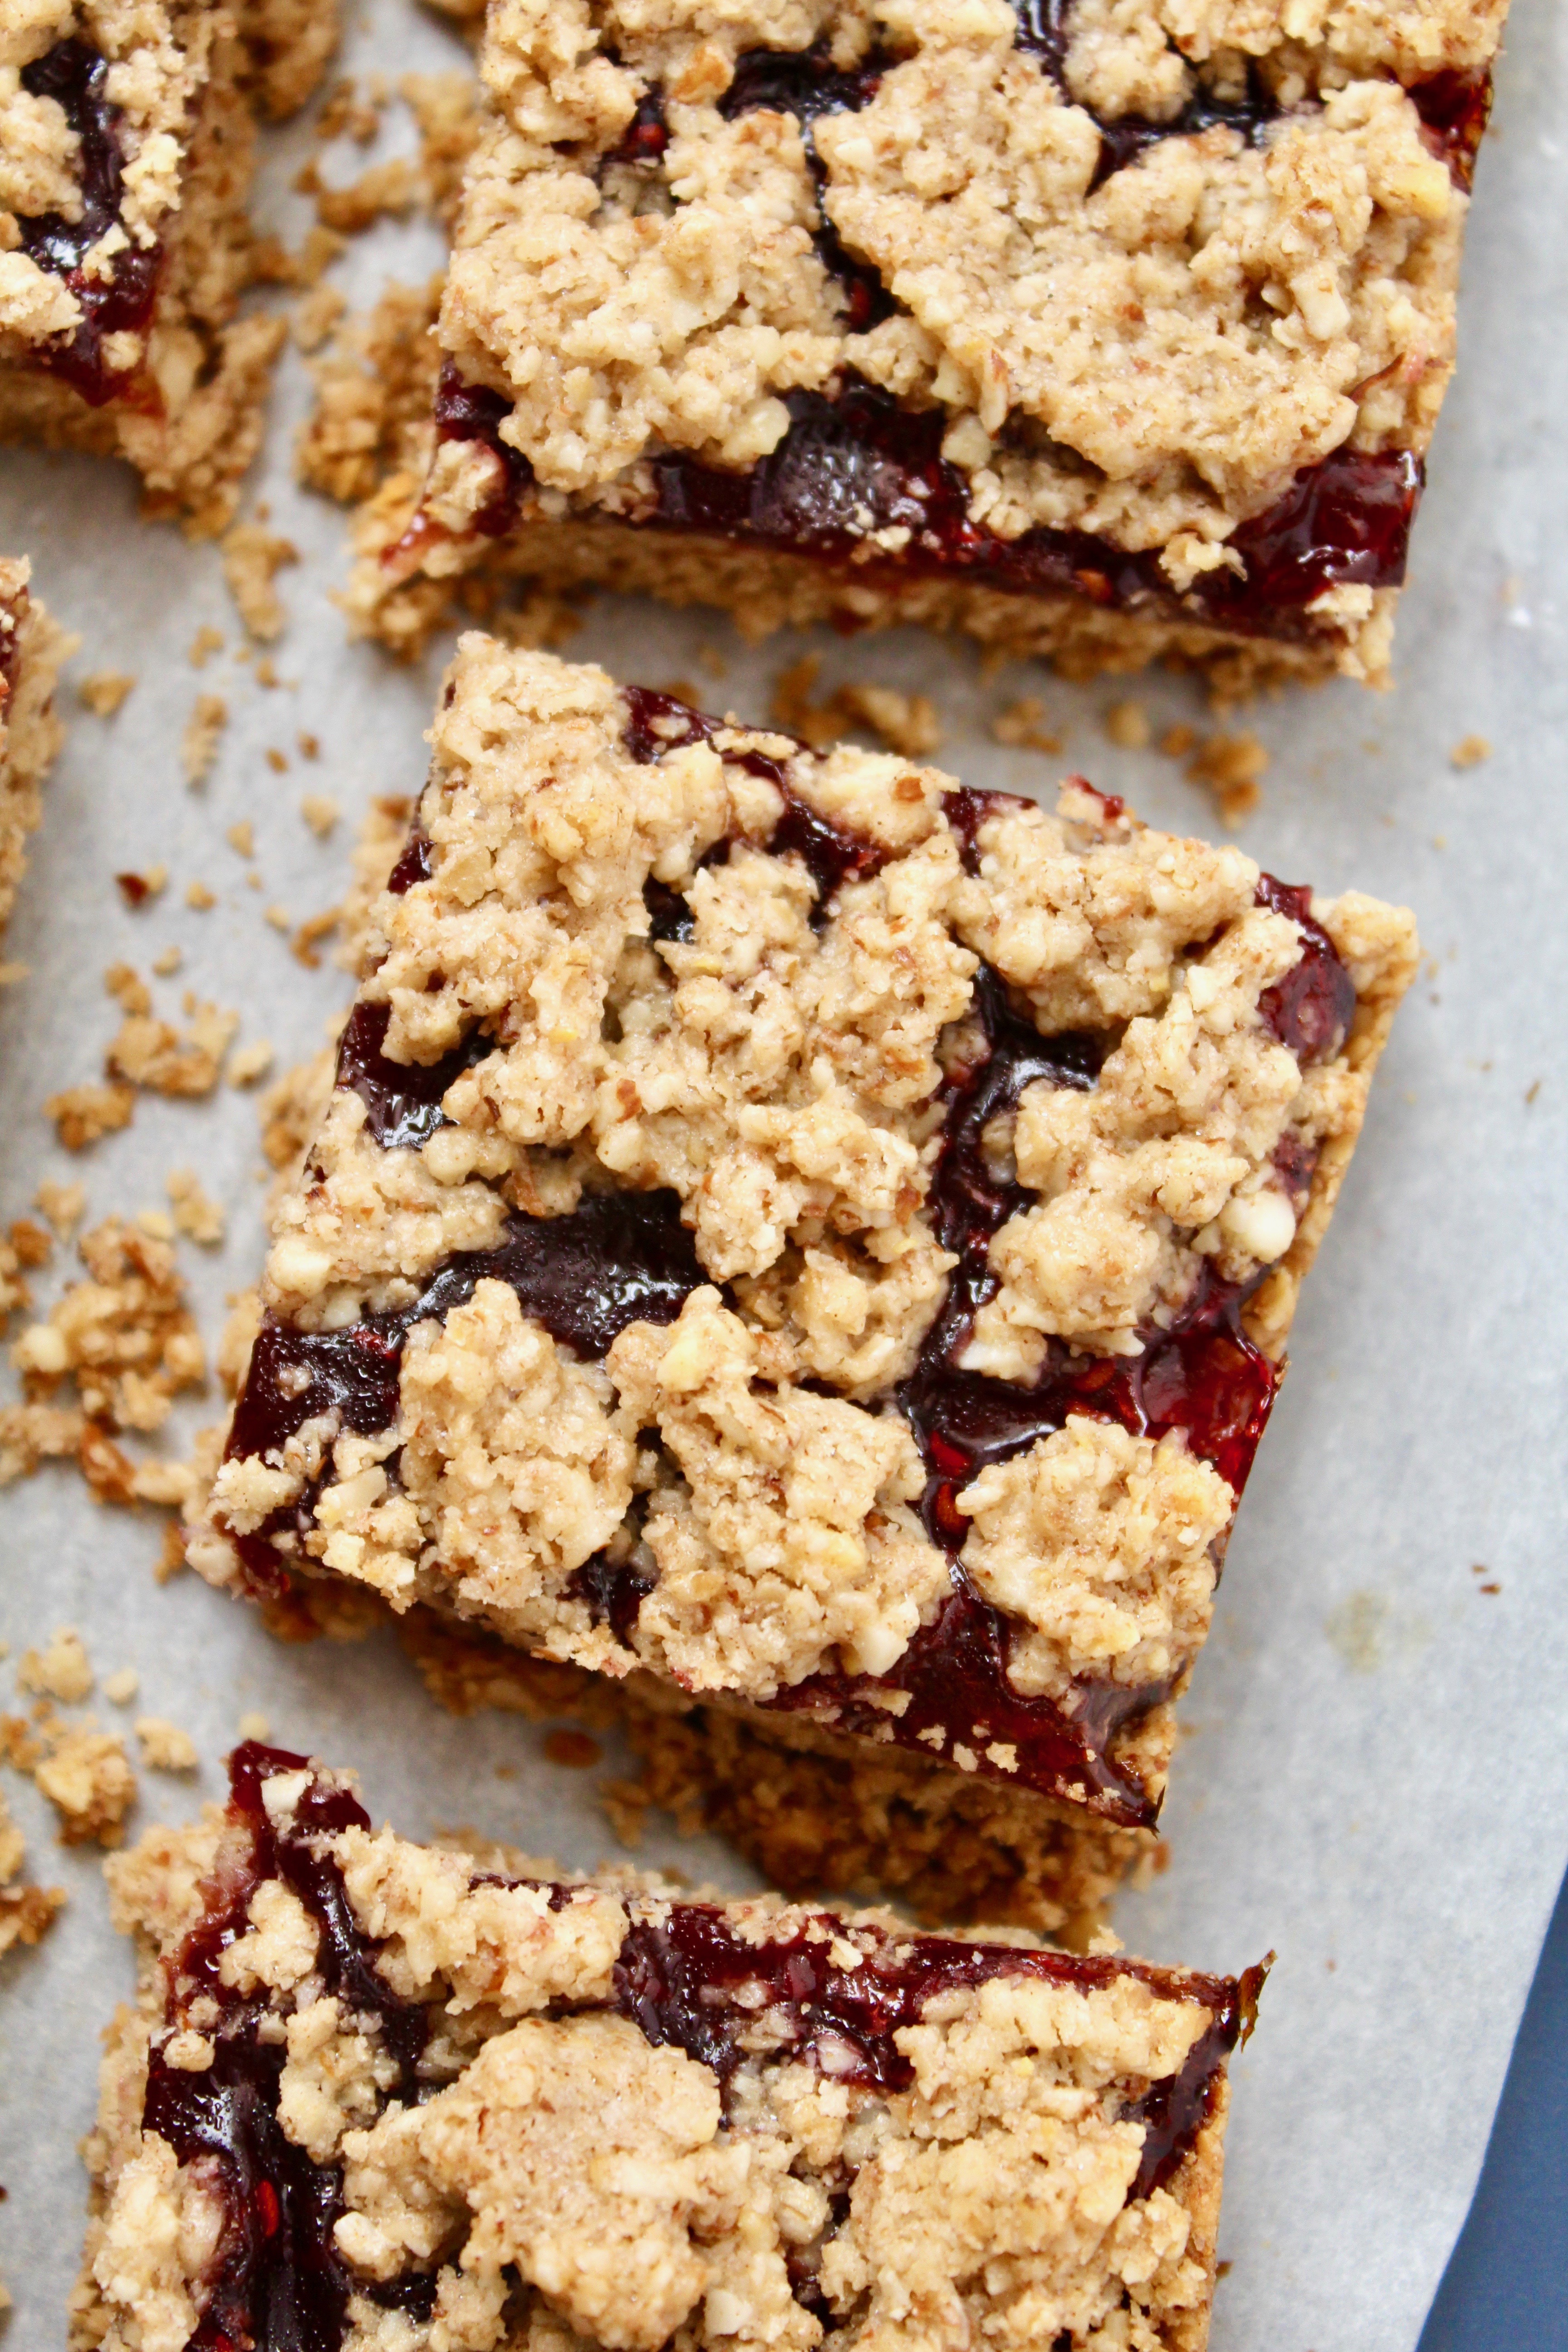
{"type": "Point", "coordinates": [120, 300]}
{"type": "Point", "coordinates": [623, 1256]}
{"type": "Point", "coordinates": [276, 2281]}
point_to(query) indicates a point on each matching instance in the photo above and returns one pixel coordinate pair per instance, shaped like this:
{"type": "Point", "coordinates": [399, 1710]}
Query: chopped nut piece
{"type": "Point", "coordinates": [62, 1671]}
{"type": "Point", "coordinates": [87, 1776]}
{"type": "Point", "coordinates": [1231, 767]}
{"type": "Point", "coordinates": [1024, 726]}
{"type": "Point", "coordinates": [105, 691]}
{"type": "Point", "coordinates": [248, 1063]}
{"type": "Point", "coordinates": [199, 1219]}
{"type": "Point", "coordinates": [1127, 725]}
{"type": "Point", "coordinates": [251, 559]}
{"type": "Point", "coordinates": [320, 814]}
{"type": "Point", "coordinates": [85, 1114]}
{"type": "Point", "coordinates": [164, 1746]}
{"type": "Point", "coordinates": [203, 727]}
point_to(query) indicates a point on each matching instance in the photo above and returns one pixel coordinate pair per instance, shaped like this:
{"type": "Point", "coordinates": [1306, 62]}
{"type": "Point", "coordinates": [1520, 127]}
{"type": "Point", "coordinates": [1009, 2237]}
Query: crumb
{"type": "Point", "coordinates": [389, 187]}
{"type": "Point", "coordinates": [251, 557]}
{"type": "Point", "coordinates": [372, 394]}
{"type": "Point", "coordinates": [242, 837]}
{"type": "Point", "coordinates": [1127, 726]}
{"type": "Point", "coordinates": [907, 723]}
{"type": "Point", "coordinates": [206, 642]}
{"type": "Point", "coordinates": [276, 761]}
{"type": "Point", "coordinates": [122, 1686]}
{"type": "Point", "coordinates": [154, 1054]}
{"type": "Point", "coordinates": [84, 1114]}
{"type": "Point", "coordinates": [1531, 1091]}
{"type": "Point", "coordinates": [344, 115]}
{"type": "Point", "coordinates": [310, 748]}
{"type": "Point", "coordinates": [575, 1749]}
{"type": "Point", "coordinates": [447, 109]}
{"type": "Point", "coordinates": [316, 314]}
{"type": "Point", "coordinates": [1176, 741]}
{"type": "Point", "coordinates": [164, 1746]}
{"type": "Point", "coordinates": [266, 671]}
{"type": "Point", "coordinates": [156, 1222]}
{"type": "Point", "coordinates": [172, 1558]}
{"type": "Point", "coordinates": [253, 1724]}
{"type": "Point", "coordinates": [168, 962]}
{"type": "Point", "coordinates": [250, 1063]}
{"type": "Point", "coordinates": [1231, 767]}
{"type": "Point", "coordinates": [87, 1778]}
{"type": "Point", "coordinates": [198, 896]}
{"type": "Point", "coordinates": [105, 691]}
{"type": "Point", "coordinates": [311, 931]}
{"type": "Point", "coordinates": [137, 889]}
{"type": "Point", "coordinates": [280, 917]}
{"type": "Point", "coordinates": [320, 814]}
{"type": "Point", "coordinates": [253, 880]}
{"type": "Point", "coordinates": [25, 1912]}
{"type": "Point", "coordinates": [1469, 751]}
{"type": "Point", "coordinates": [199, 1219]}
{"type": "Point", "coordinates": [125, 1337]}
{"type": "Point", "coordinates": [129, 989]}
{"type": "Point", "coordinates": [1023, 725]}
{"type": "Point", "coordinates": [203, 727]}
{"type": "Point", "coordinates": [64, 1205]}
{"type": "Point", "coordinates": [61, 1672]}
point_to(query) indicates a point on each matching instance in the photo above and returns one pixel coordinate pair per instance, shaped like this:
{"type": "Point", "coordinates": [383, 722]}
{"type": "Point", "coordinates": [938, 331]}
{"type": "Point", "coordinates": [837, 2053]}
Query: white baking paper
{"type": "Point", "coordinates": [1376, 1783]}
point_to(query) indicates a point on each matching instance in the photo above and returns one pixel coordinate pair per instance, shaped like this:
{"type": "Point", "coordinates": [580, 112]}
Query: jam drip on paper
{"type": "Point", "coordinates": [276, 2281]}
{"type": "Point", "coordinates": [121, 298]}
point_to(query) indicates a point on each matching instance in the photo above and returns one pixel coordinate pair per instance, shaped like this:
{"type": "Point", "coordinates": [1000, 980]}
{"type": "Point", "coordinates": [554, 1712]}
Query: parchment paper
{"type": "Point", "coordinates": [1375, 1782]}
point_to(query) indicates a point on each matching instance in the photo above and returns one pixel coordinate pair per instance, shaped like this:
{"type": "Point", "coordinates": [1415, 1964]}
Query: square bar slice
{"type": "Point", "coordinates": [376, 2095]}
{"type": "Point", "coordinates": [803, 1232]}
{"type": "Point", "coordinates": [32, 648]}
{"type": "Point", "coordinates": [126, 148]}
{"type": "Point", "coordinates": [1099, 333]}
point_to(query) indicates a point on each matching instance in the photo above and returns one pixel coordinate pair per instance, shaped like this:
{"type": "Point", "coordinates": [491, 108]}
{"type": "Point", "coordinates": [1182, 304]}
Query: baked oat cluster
{"type": "Point", "coordinates": [32, 648]}
{"type": "Point", "coordinates": [378, 2095]}
{"type": "Point", "coordinates": [803, 1232]}
{"type": "Point", "coordinates": [126, 139]}
{"type": "Point", "coordinates": [1100, 330]}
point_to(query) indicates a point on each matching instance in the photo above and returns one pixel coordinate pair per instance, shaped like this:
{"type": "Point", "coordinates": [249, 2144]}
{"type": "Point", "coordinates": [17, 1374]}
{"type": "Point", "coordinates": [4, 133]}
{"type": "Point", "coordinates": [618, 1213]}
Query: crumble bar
{"type": "Point", "coordinates": [126, 147]}
{"type": "Point", "coordinates": [804, 1232]}
{"type": "Point", "coordinates": [1103, 332]}
{"type": "Point", "coordinates": [32, 648]}
{"type": "Point", "coordinates": [377, 2095]}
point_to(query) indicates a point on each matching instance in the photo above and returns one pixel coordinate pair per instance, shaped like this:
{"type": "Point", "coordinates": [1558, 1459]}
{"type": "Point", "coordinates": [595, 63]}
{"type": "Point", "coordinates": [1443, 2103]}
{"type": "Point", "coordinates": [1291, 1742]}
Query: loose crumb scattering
{"type": "Point", "coordinates": [1469, 751]}
{"type": "Point", "coordinates": [1127, 726]}
{"type": "Point", "coordinates": [87, 1776]}
{"type": "Point", "coordinates": [198, 896]}
{"type": "Point", "coordinates": [374, 390]}
{"type": "Point", "coordinates": [105, 691]}
{"type": "Point", "coordinates": [319, 812]}
{"type": "Point", "coordinates": [316, 314]}
{"type": "Point", "coordinates": [242, 837]}
{"type": "Point", "coordinates": [164, 1746]}
{"type": "Point", "coordinates": [122, 1686]}
{"type": "Point", "coordinates": [204, 729]}
{"type": "Point", "coordinates": [125, 1337]}
{"type": "Point", "coordinates": [27, 1913]}
{"type": "Point", "coordinates": [907, 723]}
{"type": "Point", "coordinates": [156, 1222]}
{"type": "Point", "coordinates": [1232, 768]}
{"type": "Point", "coordinates": [168, 962]}
{"type": "Point", "coordinates": [62, 1671]}
{"type": "Point", "coordinates": [251, 1062]}
{"type": "Point", "coordinates": [1025, 726]}
{"type": "Point", "coordinates": [137, 889]}
{"type": "Point", "coordinates": [393, 186]}
{"type": "Point", "coordinates": [445, 106]}
{"type": "Point", "coordinates": [206, 642]}
{"type": "Point", "coordinates": [83, 1115]}
{"type": "Point", "coordinates": [252, 557]}
{"type": "Point", "coordinates": [199, 1219]}
{"type": "Point", "coordinates": [344, 114]}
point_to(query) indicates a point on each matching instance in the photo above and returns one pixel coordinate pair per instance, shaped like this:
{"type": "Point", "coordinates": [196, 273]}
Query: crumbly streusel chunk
{"type": "Point", "coordinates": [32, 648]}
{"type": "Point", "coordinates": [539, 2111]}
{"type": "Point", "coordinates": [797, 1230]}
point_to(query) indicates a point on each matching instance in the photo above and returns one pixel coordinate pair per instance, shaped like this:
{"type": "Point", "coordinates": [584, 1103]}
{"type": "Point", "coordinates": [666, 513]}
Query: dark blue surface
{"type": "Point", "coordinates": [1506, 2287]}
